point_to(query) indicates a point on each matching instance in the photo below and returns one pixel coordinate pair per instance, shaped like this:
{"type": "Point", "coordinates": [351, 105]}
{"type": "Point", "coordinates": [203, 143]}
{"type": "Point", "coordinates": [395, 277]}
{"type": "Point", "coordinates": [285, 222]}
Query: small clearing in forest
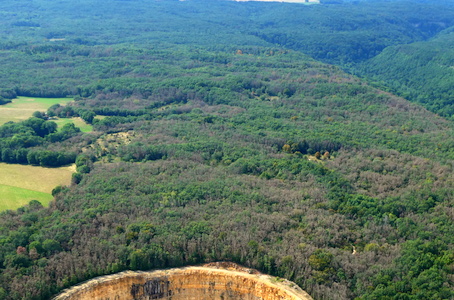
{"type": "Point", "coordinates": [19, 184]}
{"type": "Point", "coordinates": [23, 108]}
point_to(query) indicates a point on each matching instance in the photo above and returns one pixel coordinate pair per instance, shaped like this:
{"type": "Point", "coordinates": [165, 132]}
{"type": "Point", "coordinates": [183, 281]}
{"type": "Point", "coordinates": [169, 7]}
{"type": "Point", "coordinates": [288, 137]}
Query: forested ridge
{"type": "Point", "coordinates": [422, 72]}
{"type": "Point", "coordinates": [37, 38]}
{"type": "Point", "coordinates": [211, 142]}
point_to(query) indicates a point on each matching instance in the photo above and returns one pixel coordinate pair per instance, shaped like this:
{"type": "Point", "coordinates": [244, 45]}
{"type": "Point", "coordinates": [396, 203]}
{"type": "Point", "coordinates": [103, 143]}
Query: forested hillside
{"type": "Point", "coordinates": [212, 143]}
{"type": "Point", "coordinates": [36, 35]}
{"type": "Point", "coordinates": [423, 71]}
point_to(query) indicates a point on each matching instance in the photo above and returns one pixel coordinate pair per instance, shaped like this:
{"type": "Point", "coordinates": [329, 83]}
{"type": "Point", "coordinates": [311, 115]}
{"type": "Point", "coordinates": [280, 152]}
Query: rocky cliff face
{"type": "Point", "coordinates": [224, 281]}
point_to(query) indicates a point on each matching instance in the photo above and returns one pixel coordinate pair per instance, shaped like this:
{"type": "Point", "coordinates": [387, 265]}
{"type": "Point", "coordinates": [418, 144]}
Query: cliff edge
{"type": "Point", "coordinates": [226, 281]}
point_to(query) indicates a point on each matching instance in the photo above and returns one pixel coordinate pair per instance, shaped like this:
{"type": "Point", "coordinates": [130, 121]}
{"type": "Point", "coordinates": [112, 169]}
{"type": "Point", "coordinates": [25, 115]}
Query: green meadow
{"type": "Point", "coordinates": [12, 197]}
{"type": "Point", "coordinates": [84, 127]}
{"type": "Point", "coordinates": [23, 108]}
{"type": "Point", "coordinates": [19, 184]}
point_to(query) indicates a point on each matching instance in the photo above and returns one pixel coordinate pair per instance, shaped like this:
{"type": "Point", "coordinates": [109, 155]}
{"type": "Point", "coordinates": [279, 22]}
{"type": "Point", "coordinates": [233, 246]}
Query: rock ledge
{"type": "Point", "coordinates": [226, 281]}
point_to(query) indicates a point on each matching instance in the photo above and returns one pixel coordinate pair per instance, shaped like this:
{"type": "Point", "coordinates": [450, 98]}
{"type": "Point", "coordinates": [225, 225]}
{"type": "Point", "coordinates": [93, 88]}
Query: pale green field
{"type": "Point", "coordinates": [19, 184]}
{"type": "Point", "coordinates": [12, 197]}
{"type": "Point", "coordinates": [98, 117]}
{"type": "Point", "coordinates": [84, 127]}
{"type": "Point", "coordinates": [23, 108]}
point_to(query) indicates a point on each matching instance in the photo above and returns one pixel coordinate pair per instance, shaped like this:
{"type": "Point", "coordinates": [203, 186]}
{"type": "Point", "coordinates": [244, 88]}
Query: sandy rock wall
{"type": "Point", "coordinates": [224, 281]}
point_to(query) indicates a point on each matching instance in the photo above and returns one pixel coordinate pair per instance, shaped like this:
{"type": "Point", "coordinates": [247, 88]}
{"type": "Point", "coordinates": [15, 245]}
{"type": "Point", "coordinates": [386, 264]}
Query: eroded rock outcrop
{"type": "Point", "coordinates": [224, 281]}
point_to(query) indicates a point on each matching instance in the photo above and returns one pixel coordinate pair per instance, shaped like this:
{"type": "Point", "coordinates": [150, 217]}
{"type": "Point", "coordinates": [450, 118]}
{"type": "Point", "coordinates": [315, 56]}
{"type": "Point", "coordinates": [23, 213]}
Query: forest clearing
{"type": "Point", "coordinates": [23, 108]}
{"type": "Point", "coordinates": [20, 184]}
{"type": "Point", "coordinates": [77, 121]}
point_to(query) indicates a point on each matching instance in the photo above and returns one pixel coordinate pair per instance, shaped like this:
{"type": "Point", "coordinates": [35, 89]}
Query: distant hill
{"type": "Point", "coordinates": [422, 72]}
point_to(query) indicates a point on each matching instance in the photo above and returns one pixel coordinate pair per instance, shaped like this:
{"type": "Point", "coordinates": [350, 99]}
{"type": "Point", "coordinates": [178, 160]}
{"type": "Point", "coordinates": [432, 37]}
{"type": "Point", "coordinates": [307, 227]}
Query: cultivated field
{"type": "Point", "coordinates": [23, 108]}
{"type": "Point", "coordinates": [19, 184]}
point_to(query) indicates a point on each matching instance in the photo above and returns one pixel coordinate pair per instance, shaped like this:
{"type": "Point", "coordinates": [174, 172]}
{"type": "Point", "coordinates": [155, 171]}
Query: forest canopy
{"type": "Point", "coordinates": [219, 135]}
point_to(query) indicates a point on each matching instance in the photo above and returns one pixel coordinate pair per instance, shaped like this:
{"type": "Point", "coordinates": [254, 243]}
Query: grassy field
{"type": "Point", "coordinates": [19, 184]}
{"type": "Point", "coordinates": [84, 127]}
{"type": "Point", "coordinates": [23, 108]}
{"type": "Point", "coordinates": [98, 117]}
{"type": "Point", "coordinates": [12, 197]}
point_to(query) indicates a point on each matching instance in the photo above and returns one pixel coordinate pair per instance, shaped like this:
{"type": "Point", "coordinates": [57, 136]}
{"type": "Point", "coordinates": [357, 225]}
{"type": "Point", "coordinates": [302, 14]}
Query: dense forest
{"type": "Point", "coordinates": [348, 33]}
{"type": "Point", "coordinates": [220, 135]}
{"type": "Point", "coordinates": [422, 72]}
